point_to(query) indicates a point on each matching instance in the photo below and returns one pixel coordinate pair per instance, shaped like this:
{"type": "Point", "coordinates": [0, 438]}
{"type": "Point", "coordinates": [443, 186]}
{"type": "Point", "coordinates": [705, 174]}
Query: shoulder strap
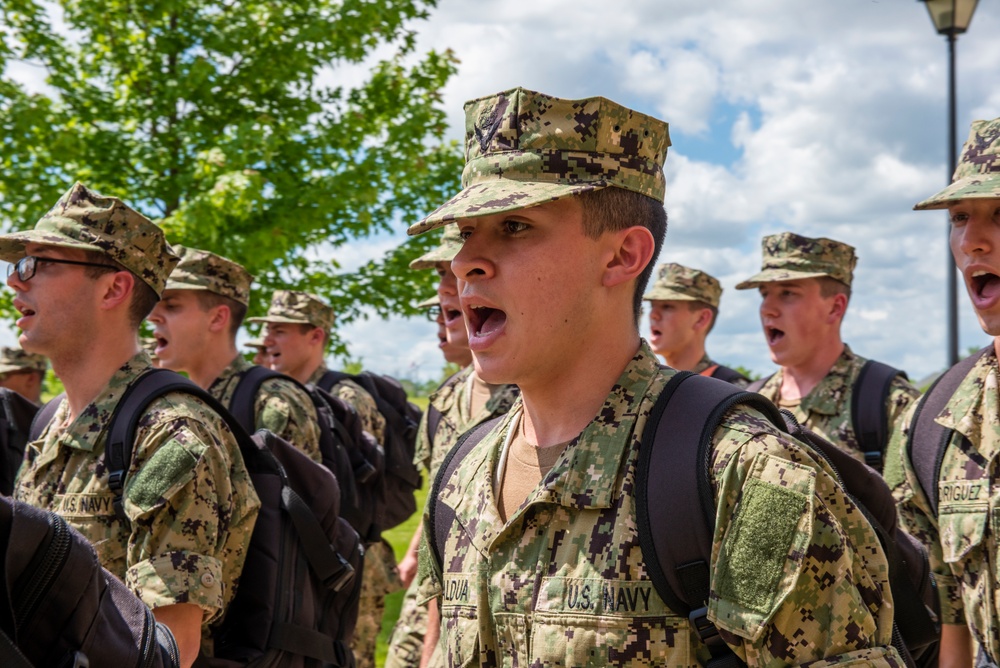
{"type": "Point", "coordinates": [440, 516]}
{"type": "Point", "coordinates": [44, 416]}
{"type": "Point", "coordinates": [927, 439]}
{"type": "Point", "coordinates": [725, 373]}
{"type": "Point", "coordinates": [331, 378]}
{"type": "Point", "coordinates": [869, 416]}
{"type": "Point", "coordinates": [245, 394]}
{"type": "Point", "coordinates": [758, 384]}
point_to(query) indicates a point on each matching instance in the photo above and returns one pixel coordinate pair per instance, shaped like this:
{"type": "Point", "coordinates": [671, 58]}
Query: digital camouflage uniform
{"type": "Point", "coordinates": [453, 399]}
{"type": "Point", "coordinates": [798, 574]}
{"type": "Point", "coordinates": [826, 410]}
{"type": "Point", "coordinates": [13, 360]}
{"type": "Point", "coordinates": [187, 494]}
{"type": "Point", "coordinates": [564, 583]}
{"type": "Point", "coordinates": [675, 282]}
{"type": "Point", "coordinates": [962, 538]}
{"type": "Point", "coordinates": [379, 577]}
{"type": "Point", "coordinates": [280, 406]}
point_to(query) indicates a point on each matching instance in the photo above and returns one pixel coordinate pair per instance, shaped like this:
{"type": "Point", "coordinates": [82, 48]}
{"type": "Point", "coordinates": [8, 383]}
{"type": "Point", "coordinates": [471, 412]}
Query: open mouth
{"type": "Point", "coordinates": [484, 320]}
{"type": "Point", "coordinates": [451, 315]}
{"type": "Point", "coordinates": [773, 335]}
{"type": "Point", "coordinates": [984, 284]}
{"type": "Point", "coordinates": [161, 342]}
{"type": "Point", "coordinates": [656, 332]}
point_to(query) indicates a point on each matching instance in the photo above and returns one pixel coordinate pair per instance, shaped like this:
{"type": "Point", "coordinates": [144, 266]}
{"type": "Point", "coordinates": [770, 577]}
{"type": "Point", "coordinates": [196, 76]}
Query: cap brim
{"type": "Point", "coordinates": [290, 321]}
{"type": "Point", "coordinates": [972, 187]}
{"type": "Point", "coordinates": [664, 294]}
{"type": "Point", "coordinates": [499, 196]}
{"type": "Point", "coordinates": [775, 275]}
{"type": "Point", "coordinates": [8, 368]}
{"type": "Point", "coordinates": [427, 303]}
{"type": "Point", "coordinates": [429, 260]}
{"type": "Point", "coordinates": [12, 245]}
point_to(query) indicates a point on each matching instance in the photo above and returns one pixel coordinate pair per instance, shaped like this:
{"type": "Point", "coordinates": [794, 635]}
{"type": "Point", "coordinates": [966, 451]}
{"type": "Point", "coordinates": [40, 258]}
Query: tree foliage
{"type": "Point", "coordinates": [274, 132]}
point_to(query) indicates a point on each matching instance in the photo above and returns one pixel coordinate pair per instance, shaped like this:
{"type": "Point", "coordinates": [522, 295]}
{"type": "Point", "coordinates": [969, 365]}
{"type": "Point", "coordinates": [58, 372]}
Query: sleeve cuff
{"type": "Point", "coordinates": [179, 577]}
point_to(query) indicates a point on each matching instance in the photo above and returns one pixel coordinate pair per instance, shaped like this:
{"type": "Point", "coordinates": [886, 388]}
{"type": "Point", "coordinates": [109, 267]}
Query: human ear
{"type": "Point", "coordinates": [632, 251]}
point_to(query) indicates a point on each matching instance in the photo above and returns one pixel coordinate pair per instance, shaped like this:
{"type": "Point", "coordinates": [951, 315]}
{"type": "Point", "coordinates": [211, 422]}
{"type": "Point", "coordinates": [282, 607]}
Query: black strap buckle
{"type": "Point", "coordinates": [341, 577]}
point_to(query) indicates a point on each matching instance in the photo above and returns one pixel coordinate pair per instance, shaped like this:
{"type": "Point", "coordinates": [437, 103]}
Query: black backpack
{"type": "Point", "coordinates": [927, 440]}
{"type": "Point", "coordinates": [869, 418]}
{"type": "Point", "coordinates": [300, 586]}
{"type": "Point", "coordinates": [16, 414]}
{"type": "Point", "coordinates": [402, 419]}
{"type": "Point", "coordinates": [60, 608]}
{"type": "Point", "coordinates": [728, 375]}
{"type": "Point", "coordinates": [348, 451]}
{"type": "Point", "coordinates": [679, 569]}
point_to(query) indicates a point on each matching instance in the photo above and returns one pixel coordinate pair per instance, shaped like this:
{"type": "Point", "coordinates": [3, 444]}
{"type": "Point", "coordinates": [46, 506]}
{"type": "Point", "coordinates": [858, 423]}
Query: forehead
{"type": "Point", "coordinates": [799, 283]}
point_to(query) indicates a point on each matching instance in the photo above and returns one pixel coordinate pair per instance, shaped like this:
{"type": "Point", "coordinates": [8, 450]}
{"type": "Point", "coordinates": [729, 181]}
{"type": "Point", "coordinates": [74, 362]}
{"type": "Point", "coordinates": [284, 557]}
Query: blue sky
{"type": "Point", "coordinates": [823, 118]}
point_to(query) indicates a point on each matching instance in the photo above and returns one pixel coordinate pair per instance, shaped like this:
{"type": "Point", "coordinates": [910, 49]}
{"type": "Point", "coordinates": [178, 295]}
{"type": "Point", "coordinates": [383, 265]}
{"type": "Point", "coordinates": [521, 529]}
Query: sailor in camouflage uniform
{"type": "Point", "coordinates": [805, 286]}
{"type": "Point", "coordinates": [463, 401]}
{"type": "Point", "coordinates": [190, 504]}
{"type": "Point", "coordinates": [962, 536]}
{"type": "Point", "coordinates": [684, 304]}
{"type": "Point", "coordinates": [195, 325]}
{"type": "Point", "coordinates": [562, 217]}
{"type": "Point", "coordinates": [296, 331]}
{"type": "Point", "coordinates": [260, 355]}
{"type": "Point", "coordinates": [23, 372]}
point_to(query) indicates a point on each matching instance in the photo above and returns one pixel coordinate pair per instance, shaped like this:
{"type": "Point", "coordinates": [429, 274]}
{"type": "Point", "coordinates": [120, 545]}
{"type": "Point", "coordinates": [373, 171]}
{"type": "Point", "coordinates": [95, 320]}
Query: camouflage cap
{"type": "Point", "coordinates": [298, 307]}
{"type": "Point", "coordinates": [675, 281]}
{"type": "Point", "coordinates": [201, 270]}
{"type": "Point", "coordinates": [451, 243]}
{"type": "Point", "coordinates": [257, 344]}
{"type": "Point", "coordinates": [429, 302]}
{"type": "Point", "coordinates": [524, 148]}
{"type": "Point", "coordinates": [977, 175]}
{"type": "Point", "coordinates": [86, 220]}
{"type": "Point", "coordinates": [15, 359]}
{"type": "Point", "coordinates": [149, 344]}
{"type": "Point", "coordinates": [788, 257]}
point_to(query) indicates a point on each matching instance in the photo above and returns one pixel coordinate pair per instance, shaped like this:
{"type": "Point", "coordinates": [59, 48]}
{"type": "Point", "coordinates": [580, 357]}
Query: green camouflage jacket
{"type": "Point", "coordinates": [358, 397]}
{"type": "Point", "coordinates": [799, 575]}
{"type": "Point", "coordinates": [280, 406]}
{"type": "Point", "coordinates": [962, 539]}
{"type": "Point", "coordinates": [826, 410]}
{"type": "Point", "coordinates": [189, 500]}
{"type": "Point", "coordinates": [454, 400]}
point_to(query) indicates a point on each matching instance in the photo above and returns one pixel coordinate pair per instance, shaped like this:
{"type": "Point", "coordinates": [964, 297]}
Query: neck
{"type": "Point", "coordinates": [687, 359]}
{"type": "Point", "coordinates": [305, 372]}
{"type": "Point", "coordinates": [84, 375]}
{"type": "Point", "coordinates": [216, 357]}
{"type": "Point", "coordinates": [557, 410]}
{"type": "Point", "coordinates": [799, 380]}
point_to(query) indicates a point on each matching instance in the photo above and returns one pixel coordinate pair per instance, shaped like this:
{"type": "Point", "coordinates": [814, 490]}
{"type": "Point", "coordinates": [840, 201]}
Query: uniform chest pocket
{"type": "Point", "coordinates": [460, 619]}
{"type": "Point", "coordinates": [962, 527]}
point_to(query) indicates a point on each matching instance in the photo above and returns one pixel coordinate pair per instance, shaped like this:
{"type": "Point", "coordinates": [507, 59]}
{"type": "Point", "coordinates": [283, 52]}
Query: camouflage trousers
{"type": "Point", "coordinates": [379, 578]}
{"type": "Point", "coordinates": [407, 641]}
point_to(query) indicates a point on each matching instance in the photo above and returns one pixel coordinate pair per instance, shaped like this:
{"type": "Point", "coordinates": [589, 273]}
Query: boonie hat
{"type": "Point", "coordinates": [202, 270]}
{"type": "Point", "coordinates": [451, 243]}
{"type": "Point", "coordinates": [431, 301]}
{"type": "Point", "coordinates": [15, 359]}
{"type": "Point", "coordinates": [788, 257]}
{"type": "Point", "coordinates": [524, 148]}
{"type": "Point", "coordinates": [675, 281]}
{"type": "Point", "coordinates": [294, 307]}
{"type": "Point", "coordinates": [977, 175]}
{"type": "Point", "coordinates": [87, 220]}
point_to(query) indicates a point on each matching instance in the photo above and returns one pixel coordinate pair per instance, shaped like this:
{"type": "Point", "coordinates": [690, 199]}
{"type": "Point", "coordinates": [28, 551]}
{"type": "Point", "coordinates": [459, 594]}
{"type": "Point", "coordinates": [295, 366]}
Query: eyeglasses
{"type": "Point", "coordinates": [433, 312]}
{"type": "Point", "coordinates": [26, 266]}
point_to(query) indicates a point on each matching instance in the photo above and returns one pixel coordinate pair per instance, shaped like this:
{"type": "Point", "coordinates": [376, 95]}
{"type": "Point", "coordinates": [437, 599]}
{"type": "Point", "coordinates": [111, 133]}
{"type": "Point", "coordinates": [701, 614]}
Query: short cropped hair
{"type": "Point", "coordinates": [612, 209]}
{"type": "Point", "coordinates": [237, 311]}
{"type": "Point", "coordinates": [144, 297]}
{"type": "Point", "coordinates": [829, 286]}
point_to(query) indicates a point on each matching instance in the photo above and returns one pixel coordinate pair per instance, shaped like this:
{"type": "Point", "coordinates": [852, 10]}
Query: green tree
{"type": "Point", "coordinates": [224, 122]}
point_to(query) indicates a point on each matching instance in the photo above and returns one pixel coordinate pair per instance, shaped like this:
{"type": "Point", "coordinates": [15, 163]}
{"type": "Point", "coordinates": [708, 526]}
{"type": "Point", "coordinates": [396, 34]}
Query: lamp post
{"type": "Point", "coordinates": [951, 18]}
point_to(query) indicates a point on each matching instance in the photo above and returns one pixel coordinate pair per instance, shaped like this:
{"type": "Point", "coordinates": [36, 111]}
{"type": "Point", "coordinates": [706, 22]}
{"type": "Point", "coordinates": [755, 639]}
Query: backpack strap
{"type": "Point", "coordinates": [678, 437]}
{"type": "Point", "coordinates": [759, 383]}
{"type": "Point", "coordinates": [440, 516]}
{"type": "Point", "coordinates": [43, 417]}
{"type": "Point", "coordinates": [331, 378]}
{"type": "Point", "coordinates": [869, 416]}
{"type": "Point", "coordinates": [245, 394]}
{"type": "Point", "coordinates": [927, 440]}
{"type": "Point", "coordinates": [725, 373]}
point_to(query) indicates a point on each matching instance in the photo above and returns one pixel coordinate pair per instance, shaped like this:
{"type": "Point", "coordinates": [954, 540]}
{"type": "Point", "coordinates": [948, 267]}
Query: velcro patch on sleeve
{"type": "Point", "coordinates": [169, 467]}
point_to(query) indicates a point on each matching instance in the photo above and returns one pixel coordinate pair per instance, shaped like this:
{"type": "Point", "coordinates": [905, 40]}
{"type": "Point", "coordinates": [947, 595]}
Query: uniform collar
{"type": "Point", "coordinates": [317, 374]}
{"type": "Point", "coordinates": [236, 367]}
{"type": "Point", "coordinates": [88, 429]}
{"type": "Point", "coordinates": [829, 395]}
{"type": "Point", "coordinates": [974, 408]}
{"type": "Point", "coordinates": [580, 477]}
{"type": "Point", "coordinates": [705, 363]}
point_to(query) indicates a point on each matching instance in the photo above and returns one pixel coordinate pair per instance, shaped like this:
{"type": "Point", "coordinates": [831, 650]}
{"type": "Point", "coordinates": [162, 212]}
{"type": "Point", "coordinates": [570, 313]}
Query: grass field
{"type": "Point", "coordinates": [399, 538]}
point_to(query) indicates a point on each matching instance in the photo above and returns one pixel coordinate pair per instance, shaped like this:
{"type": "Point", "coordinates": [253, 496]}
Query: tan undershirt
{"type": "Point", "coordinates": [479, 393]}
{"type": "Point", "coordinates": [526, 464]}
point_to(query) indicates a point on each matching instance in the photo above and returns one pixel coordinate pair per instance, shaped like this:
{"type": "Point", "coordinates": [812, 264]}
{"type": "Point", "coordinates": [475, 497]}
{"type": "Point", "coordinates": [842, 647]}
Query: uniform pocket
{"type": "Point", "coordinates": [461, 634]}
{"type": "Point", "coordinates": [588, 641]}
{"type": "Point", "coordinates": [962, 529]}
